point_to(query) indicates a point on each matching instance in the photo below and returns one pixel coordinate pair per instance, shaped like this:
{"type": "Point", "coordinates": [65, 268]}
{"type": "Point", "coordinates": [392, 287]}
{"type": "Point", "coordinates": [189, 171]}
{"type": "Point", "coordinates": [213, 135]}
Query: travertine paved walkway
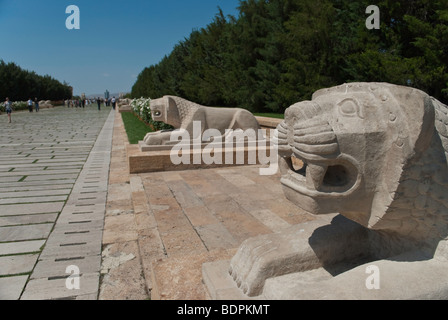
{"type": "Point", "coordinates": [161, 227]}
{"type": "Point", "coordinates": [53, 186]}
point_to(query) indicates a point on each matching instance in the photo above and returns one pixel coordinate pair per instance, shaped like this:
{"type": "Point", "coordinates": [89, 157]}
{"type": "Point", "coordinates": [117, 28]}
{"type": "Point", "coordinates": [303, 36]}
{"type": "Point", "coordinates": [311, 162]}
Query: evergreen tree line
{"type": "Point", "coordinates": [278, 52]}
{"type": "Point", "coordinates": [21, 85]}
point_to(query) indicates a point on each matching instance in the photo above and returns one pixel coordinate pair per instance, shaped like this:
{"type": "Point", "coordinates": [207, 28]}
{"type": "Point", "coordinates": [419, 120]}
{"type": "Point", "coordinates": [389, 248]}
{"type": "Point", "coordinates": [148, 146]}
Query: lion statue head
{"type": "Point", "coordinates": [374, 152]}
{"type": "Point", "coordinates": [172, 110]}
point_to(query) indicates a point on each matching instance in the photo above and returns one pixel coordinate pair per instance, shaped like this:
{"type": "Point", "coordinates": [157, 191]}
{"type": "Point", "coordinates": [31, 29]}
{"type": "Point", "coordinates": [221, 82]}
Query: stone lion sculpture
{"type": "Point", "coordinates": [45, 104]}
{"type": "Point", "coordinates": [376, 154]}
{"type": "Point", "coordinates": [181, 114]}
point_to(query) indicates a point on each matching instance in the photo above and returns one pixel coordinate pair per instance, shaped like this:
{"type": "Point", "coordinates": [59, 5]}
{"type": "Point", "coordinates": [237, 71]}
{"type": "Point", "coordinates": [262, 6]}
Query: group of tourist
{"type": "Point", "coordinates": [77, 103]}
{"type": "Point", "coordinates": [31, 104]}
{"type": "Point", "coordinates": [81, 103]}
{"type": "Point", "coordinates": [107, 102]}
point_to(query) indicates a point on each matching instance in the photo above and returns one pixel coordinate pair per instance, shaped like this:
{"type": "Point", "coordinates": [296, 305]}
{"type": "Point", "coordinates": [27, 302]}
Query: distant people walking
{"type": "Point", "coordinates": [98, 101]}
{"type": "Point", "coordinates": [113, 103]}
{"type": "Point", "coordinates": [8, 107]}
{"type": "Point", "coordinates": [30, 105]}
{"type": "Point", "coordinates": [36, 105]}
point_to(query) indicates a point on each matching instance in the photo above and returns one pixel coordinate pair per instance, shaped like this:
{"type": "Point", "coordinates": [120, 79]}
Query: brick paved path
{"type": "Point", "coordinates": [53, 187]}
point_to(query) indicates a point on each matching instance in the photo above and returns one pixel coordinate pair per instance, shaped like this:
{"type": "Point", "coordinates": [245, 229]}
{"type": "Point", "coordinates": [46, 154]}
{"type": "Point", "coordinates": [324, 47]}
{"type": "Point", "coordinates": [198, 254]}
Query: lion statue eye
{"type": "Point", "coordinates": [350, 108]}
{"type": "Point", "coordinates": [157, 113]}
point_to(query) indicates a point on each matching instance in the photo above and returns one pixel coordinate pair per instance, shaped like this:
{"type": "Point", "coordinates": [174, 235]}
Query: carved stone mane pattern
{"type": "Point", "coordinates": [186, 109]}
{"type": "Point", "coordinates": [419, 210]}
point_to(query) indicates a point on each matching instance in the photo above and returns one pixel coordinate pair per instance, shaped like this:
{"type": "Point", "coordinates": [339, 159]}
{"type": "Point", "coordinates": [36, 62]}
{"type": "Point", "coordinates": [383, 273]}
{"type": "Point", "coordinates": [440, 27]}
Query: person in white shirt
{"type": "Point", "coordinates": [30, 105]}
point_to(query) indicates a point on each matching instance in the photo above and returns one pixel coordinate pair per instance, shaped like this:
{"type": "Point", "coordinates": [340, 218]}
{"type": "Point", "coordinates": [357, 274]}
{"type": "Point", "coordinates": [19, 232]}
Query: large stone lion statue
{"type": "Point", "coordinates": [375, 162]}
{"type": "Point", "coordinates": [181, 114]}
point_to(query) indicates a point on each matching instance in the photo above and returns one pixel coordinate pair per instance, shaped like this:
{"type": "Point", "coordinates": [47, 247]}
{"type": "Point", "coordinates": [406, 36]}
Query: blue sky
{"type": "Point", "coordinates": [117, 39]}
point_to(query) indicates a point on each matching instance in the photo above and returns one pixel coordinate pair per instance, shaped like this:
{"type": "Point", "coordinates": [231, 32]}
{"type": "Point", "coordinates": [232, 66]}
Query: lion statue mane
{"type": "Point", "coordinates": [375, 175]}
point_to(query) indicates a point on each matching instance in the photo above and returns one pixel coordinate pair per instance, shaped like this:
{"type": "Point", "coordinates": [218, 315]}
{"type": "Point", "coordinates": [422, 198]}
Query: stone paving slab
{"type": "Point", "coordinates": [31, 199]}
{"type": "Point", "coordinates": [17, 264]}
{"type": "Point", "coordinates": [28, 219]}
{"type": "Point", "coordinates": [50, 177]}
{"type": "Point", "coordinates": [30, 208]}
{"type": "Point", "coordinates": [21, 247]}
{"type": "Point", "coordinates": [122, 273]}
{"type": "Point", "coordinates": [56, 288]}
{"type": "Point", "coordinates": [11, 287]}
{"type": "Point", "coordinates": [22, 173]}
{"type": "Point", "coordinates": [25, 232]}
{"type": "Point", "coordinates": [55, 268]}
{"type": "Point", "coordinates": [34, 193]}
{"type": "Point", "coordinates": [10, 179]}
{"type": "Point", "coordinates": [33, 185]}
{"type": "Point", "coordinates": [180, 277]}
{"type": "Point", "coordinates": [70, 250]}
{"type": "Point", "coordinates": [82, 214]}
{"type": "Point", "coordinates": [80, 226]}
